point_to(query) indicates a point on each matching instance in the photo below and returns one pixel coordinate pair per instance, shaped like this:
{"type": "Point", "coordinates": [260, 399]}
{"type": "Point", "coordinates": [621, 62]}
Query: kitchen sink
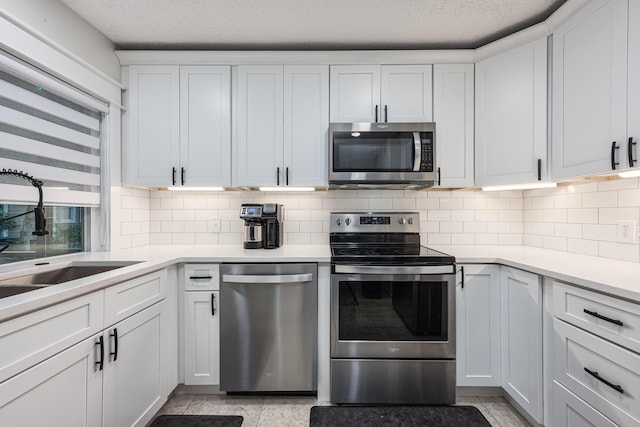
{"type": "Point", "coordinates": [10, 290]}
{"type": "Point", "coordinates": [62, 274]}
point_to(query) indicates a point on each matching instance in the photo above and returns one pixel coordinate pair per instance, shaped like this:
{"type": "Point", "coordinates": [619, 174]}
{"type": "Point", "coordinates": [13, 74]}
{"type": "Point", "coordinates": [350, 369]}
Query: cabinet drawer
{"type": "Point", "coordinates": [132, 296]}
{"type": "Point", "coordinates": [32, 338]}
{"type": "Point", "coordinates": [609, 317]}
{"type": "Point", "coordinates": [571, 411]}
{"type": "Point", "coordinates": [202, 277]}
{"type": "Point", "coordinates": [611, 366]}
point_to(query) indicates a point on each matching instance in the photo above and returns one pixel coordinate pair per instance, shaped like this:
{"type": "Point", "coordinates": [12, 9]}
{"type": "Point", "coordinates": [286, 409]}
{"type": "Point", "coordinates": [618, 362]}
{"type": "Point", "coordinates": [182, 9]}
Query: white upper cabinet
{"type": "Point", "coordinates": [590, 90]}
{"type": "Point", "coordinates": [205, 125]}
{"type": "Point", "coordinates": [152, 125]}
{"type": "Point", "coordinates": [381, 93]}
{"type": "Point", "coordinates": [511, 116]}
{"type": "Point", "coordinates": [453, 97]}
{"type": "Point", "coordinates": [281, 123]}
{"type": "Point", "coordinates": [633, 75]}
{"type": "Point", "coordinates": [178, 126]}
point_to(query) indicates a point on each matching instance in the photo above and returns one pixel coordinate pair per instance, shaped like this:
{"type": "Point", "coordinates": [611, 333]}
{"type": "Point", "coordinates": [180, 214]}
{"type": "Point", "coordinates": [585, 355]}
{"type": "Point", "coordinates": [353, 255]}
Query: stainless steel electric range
{"type": "Point", "coordinates": [392, 312]}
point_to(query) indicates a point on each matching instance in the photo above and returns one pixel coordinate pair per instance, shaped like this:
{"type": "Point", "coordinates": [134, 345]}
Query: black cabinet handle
{"type": "Point", "coordinates": [613, 155]}
{"type": "Point", "coordinates": [438, 175]}
{"type": "Point", "coordinates": [462, 273]}
{"type": "Point", "coordinates": [213, 304]}
{"type": "Point", "coordinates": [386, 115]}
{"type": "Point", "coordinates": [539, 169]}
{"type": "Point", "coordinates": [286, 176]}
{"type": "Point", "coordinates": [630, 151]}
{"type": "Point", "coordinates": [182, 176]}
{"type": "Point", "coordinates": [595, 375]}
{"type": "Point", "coordinates": [114, 353]}
{"type": "Point", "coordinates": [173, 176]}
{"type": "Point", "coordinates": [100, 363]}
{"type": "Point", "coordinates": [600, 316]}
{"type": "Point", "coordinates": [376, 120]}
{"type": "Point", "coordinates": [278, 175]}
{"type": "Point", "coordinates": [200, 277]}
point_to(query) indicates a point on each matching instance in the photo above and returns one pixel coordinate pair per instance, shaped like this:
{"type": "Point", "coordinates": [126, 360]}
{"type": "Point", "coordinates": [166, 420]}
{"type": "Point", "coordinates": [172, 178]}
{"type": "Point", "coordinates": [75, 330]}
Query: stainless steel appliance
{"type": "Point", "coordinates": [268, 327]}
{"type": "Point", "coordinates": [392, 312]}
{"type": "Point", "coordinates": [262, 225]}
{"type": "Point", "coordinates": [382, 155]}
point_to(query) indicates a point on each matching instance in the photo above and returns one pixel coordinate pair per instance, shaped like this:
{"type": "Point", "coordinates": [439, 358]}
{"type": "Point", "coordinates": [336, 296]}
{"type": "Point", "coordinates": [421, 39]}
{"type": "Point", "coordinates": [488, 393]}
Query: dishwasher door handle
{"type": "Point", "coordinates": [261, 278]}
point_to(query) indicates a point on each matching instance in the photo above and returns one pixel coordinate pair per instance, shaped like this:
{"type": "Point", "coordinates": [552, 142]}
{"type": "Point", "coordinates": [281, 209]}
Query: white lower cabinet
{"type": "Point", "coordinates": [521, 321]}
{"type": "Point", "coordinates": [596, 357]}
{"type": "Point", "coordinates": [133, 369]}
{"type": "Point", "coordinates": [478, 326]}
{"type": "Point", "coordinates": [571, 411]}
{"type": "Point", "coordinates": [64, 390]}
{"type": "Point", "coordinates": [115, 378]}
{"type": "Point", "coordinates": [202, 338]}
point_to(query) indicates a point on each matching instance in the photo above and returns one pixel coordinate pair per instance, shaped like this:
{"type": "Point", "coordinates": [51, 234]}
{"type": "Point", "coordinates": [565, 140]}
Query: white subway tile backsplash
{"type": "Point", "coordinates": [579, 218]}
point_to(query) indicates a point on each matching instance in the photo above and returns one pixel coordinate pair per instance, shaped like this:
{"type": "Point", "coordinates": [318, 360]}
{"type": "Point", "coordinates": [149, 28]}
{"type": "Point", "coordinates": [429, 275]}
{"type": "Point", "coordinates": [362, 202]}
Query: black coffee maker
{"type": "Point", "coordinates": [272, 216]}
{"type": "Point", "coordinates": [262, 225]}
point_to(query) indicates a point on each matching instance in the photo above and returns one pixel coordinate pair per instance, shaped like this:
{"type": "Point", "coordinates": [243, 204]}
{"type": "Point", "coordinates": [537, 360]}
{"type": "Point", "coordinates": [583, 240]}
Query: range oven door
{"type": "Point", "coordinates": [392, 312]}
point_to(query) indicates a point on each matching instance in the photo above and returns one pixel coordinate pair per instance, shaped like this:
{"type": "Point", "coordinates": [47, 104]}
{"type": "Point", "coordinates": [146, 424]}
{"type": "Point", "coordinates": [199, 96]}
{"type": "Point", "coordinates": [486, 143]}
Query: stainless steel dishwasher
{"type": "Point", "coordinates": [268, 327]}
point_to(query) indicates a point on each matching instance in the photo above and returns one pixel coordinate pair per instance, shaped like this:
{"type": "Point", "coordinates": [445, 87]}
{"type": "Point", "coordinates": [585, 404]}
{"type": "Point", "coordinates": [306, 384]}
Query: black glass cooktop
{"type": "Point", "coordinates": [384, 250]}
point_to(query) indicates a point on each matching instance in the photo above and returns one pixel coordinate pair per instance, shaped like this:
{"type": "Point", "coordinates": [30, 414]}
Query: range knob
{"type": "Point", "coordinates": [347, 220]}
{"type": "Point", "coordinates": [338, 221]}
{"type": "Point", "coordinates": [401, 221]}
{"type": "Point", "coordinates": [410, 220]}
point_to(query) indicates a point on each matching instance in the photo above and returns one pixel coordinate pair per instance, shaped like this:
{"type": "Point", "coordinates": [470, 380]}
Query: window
{"type": "Point", "coordinates": [50, 132]}
{"type": "Point", "coordinates": [65, 226]}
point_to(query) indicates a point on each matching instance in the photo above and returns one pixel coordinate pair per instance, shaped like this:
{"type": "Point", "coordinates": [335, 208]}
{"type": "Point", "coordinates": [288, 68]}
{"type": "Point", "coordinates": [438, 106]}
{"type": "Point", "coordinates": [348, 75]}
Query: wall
{"type": "Point", "coordinates": [580, 218]}
{"type": "Point", "coordinates": [583, 218]}
{"type": "Point", "coordinates": [447, 217]}
{"type": "Point", "coordinates": [59, 26]}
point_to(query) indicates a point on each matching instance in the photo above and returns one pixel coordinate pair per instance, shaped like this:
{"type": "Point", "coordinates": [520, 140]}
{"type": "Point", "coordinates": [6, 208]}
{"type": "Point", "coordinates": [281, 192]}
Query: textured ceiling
{"type": "Point", "coordinates": [309, 24]}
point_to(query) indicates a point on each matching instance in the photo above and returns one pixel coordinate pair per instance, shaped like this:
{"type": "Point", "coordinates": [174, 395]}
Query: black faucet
{"type": "Point", "coordinates": [41, 221]}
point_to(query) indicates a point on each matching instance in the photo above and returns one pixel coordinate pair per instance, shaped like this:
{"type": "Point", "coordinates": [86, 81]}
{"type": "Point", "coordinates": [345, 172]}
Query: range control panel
{"type": "Point", "coordinates": [374, 222]}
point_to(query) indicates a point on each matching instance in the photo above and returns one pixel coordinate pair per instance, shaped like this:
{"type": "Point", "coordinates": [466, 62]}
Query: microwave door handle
{"type": "Point", "coordinates": [417, 148]}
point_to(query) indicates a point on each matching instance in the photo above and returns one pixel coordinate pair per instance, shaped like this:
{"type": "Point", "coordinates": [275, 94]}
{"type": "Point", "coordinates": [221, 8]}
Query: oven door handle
{"type": "Point", "coordinates": [384, 269]}
{"type": "Point", "coordinates": [417, 155]}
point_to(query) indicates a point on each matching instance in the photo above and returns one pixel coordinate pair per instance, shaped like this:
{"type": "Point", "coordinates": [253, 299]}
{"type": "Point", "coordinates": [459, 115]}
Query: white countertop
{"type": "Point", "coordinates": [617, 278]}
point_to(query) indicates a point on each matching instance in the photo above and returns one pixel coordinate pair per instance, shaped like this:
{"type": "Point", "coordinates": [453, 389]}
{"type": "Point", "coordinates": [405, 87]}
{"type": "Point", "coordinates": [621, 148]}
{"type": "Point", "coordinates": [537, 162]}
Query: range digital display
{"type": "Point", "coordinates": [375, 220]}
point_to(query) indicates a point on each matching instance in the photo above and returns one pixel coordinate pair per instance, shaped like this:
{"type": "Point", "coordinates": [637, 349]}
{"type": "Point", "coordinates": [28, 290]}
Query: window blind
{"type": "Point", "coordinates": [50, 137]}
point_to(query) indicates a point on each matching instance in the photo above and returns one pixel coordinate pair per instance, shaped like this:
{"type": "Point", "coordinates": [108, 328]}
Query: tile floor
{"type": "Point", "coordinates": [294, 411]}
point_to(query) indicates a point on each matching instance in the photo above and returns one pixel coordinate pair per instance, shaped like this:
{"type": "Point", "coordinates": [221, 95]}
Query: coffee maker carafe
{"type": "Point", "coordinates": [253, 230]}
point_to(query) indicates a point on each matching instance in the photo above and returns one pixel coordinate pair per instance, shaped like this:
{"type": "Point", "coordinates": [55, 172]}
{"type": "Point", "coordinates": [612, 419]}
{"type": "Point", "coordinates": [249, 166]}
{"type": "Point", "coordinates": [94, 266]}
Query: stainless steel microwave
{"type": "Point", "coordinates": [382, 155]}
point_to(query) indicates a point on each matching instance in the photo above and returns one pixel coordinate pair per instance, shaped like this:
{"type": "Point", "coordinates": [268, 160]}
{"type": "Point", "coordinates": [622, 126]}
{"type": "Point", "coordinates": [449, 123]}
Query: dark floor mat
{"type": "Point", "coordinates": [405, 416]}
{"type": "Point", "coordinates": [197, 421]}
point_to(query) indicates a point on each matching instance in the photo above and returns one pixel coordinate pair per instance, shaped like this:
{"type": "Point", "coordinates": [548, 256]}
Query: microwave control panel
{"type": "Point", "coordinates": [426, 156]}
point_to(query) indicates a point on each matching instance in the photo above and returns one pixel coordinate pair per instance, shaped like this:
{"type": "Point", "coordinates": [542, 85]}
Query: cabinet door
{"type": "Point", "coordinates": [306, 125]}
{"type": "Point", "coordinates": [511, 116]}
{"type": "Point", "coordinates": [478, 326]}
{"type": "Point", "coordinates": [633, 99]}
{"type": "Point", "coordinates": [133, 372]}
{"type": "Point", "coordinates": [257, 155]}
{"type": "Point", "coordinates": [589, 89]}
{"type": "Point", "coordinates": [522, 339]}
{"type": "Point", "coordinates": [202, 338]}
{"type": "Point", "coordinates": [355, 93]}
{"type": "Point", "coordinates": [453, 113]}
{"type": "Point", "coordinates": [406, 93]}
{"type": "Point", "coordinates": [205, 126]}
{"type": "Point", "coordinates": [151, 146]}
{"type": "Point", "coordinates": [64, 390]}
